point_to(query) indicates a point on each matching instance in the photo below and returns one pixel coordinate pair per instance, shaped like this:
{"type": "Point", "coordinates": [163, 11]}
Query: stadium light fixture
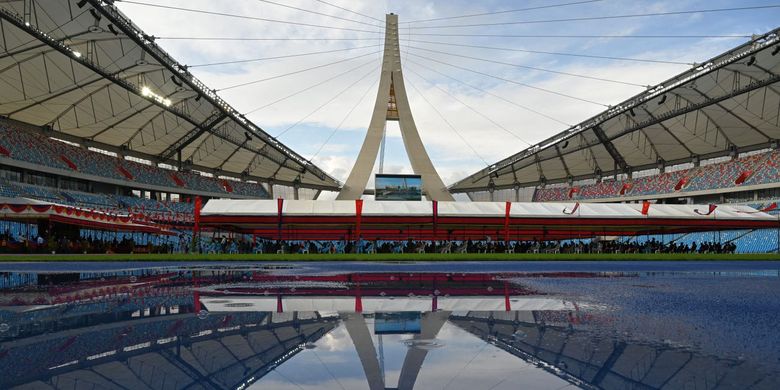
{"type": "Point", "coordinates": [751, 61]}
{"type": "Point", "coordinates": [81, 3]}
{"type": "Point", "coordinates": [77, 54]}
{"type": "Point", "coordinates": [147, 93]}
{"type": "Point", "coordinates": [776, 50]}
{"type": "Point", "coordinates": [662, 101]}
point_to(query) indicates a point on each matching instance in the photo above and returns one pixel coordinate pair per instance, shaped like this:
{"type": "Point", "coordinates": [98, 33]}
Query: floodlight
{"type": "Point", "coordinates": [82, 3]}
{"type": "Point", "coordinates": [146, 91]}
{"type": "Point", "coordinates": [751, 61]}
{"type": "Point", "coordinates": [662, 101]}
{"type": "Point", "coordinates": [777, 50]}
{"type": "Point", "coordinates": [76, 54]}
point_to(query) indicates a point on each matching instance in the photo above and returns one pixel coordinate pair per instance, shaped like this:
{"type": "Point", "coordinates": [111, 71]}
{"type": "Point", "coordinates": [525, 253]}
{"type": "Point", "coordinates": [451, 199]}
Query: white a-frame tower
{"type": "Point", "coordinates": [393, 105]}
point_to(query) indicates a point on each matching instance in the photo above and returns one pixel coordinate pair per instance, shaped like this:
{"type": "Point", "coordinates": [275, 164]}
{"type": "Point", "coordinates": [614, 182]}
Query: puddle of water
{"type": "Point", "coordinates": [490, 326]}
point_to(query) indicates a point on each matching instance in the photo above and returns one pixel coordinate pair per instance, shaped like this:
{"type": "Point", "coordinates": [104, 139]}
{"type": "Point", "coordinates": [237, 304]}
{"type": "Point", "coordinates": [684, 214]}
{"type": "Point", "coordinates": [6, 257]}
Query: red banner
{"type": "Point", "coordinates": [573, 210]}
{"type": "Point", "coordinates": [710, 211]}
{"type": "Point", "coordinates": [198, 202]}
{"type": "Point", "coordinates": [358, 216]}
{"type": "Point", "coordinates": [508, 208]}
{"type": "Point", "coordinates": [742, 177]}
{"type": "Point", "coordinates": [645, 207]}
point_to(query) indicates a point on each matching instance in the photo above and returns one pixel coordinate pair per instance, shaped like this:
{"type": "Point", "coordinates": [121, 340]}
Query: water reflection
{"type": "Point", "coordinates": [254, 328]}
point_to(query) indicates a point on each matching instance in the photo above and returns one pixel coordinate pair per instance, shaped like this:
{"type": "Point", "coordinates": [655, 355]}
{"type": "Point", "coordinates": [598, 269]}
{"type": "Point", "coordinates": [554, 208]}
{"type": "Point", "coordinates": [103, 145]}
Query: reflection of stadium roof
{"type": "Point", "coordinates": [95, 78]}
{"type": "Point", "coordinates": [726, 104]}
{"type": "Point", "coordinates": [590, 361]}
{"type": "Point", "coordinates": [229, 354]}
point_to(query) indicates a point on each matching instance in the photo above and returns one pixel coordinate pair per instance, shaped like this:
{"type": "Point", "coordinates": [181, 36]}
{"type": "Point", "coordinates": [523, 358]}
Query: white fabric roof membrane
{"type": "Point", "coordinates": [334, 208]}
{"type": "Point", "coordinates": [727, 104]}
{"type": "Point", "coordinates": [89, 75]}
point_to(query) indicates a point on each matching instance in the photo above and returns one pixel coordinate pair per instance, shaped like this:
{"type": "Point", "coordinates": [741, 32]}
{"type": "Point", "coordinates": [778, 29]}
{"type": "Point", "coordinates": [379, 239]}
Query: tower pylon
{"type": "Point", "coordinates": [392, 104]}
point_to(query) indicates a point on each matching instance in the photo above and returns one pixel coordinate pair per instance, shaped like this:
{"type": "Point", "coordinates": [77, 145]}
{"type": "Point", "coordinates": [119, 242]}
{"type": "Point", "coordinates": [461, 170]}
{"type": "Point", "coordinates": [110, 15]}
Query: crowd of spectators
{"type": "Point", "coordinates": [749, 170]}
{"type": "Point", "coordinates": [20, 143]}
{"type": "Point", "coordinates": [673, 245]}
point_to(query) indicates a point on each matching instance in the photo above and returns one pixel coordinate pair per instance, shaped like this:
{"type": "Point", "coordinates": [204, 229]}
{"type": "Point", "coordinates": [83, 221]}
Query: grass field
{"type": "Point", "coordinates": [391, 257]}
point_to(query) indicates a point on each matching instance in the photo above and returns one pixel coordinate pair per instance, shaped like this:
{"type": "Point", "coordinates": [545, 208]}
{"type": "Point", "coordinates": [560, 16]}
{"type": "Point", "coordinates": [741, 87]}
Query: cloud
{"type": "Point", "coordinates": [469, 141]}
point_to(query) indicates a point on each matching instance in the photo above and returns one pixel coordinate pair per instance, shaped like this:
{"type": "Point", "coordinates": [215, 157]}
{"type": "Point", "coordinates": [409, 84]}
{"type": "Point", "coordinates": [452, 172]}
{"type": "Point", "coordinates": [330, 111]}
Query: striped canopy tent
{"type": "Point", "coordinates": [306, 219]}
{"type": "Point", "coordinates": [22, 209]}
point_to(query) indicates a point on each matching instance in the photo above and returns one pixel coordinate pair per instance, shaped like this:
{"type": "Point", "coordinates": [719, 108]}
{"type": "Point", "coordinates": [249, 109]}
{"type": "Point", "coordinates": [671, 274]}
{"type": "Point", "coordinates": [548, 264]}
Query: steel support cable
{"type": "Point", "coordinates": [551, 52]}
{"type": "Point", "coordinates": [513, 81]}
{"type": "Point", "coordinates": [470, 107]}
{"type": "Point", "coordinates": [320, 13]}
{"type": "Point", "coordinates": [349, 10]}
{"type": "Point", "coordinates": [604, 17]}
{"type": "Point", "coordinates": [321, 106]}
{"type": "Point", "coordinates": [333, 132]}
{"type": "Point", "coordinates": [348, 71]}
{"type": "Point", "coordinates": [493, 94]}
{"type": "Point", "coordinates": [280, 57]}
{"type": "Point", "coordinates": [529, 109]}
{"type": "Point", "coordinates": [290, 381]}
{"type": "Point", "coordinates": [293, 73]}
{"type": "Point", "coordinates": [448, 123]}
{"type": "Point", "coordinates": [328, 370]}
{"type": "Point", "coordinates": [530, 67]}
{"type": "Point", "coordinates": [485, 345]}
{"type": "Point", "coordinates": [200, 11]}
{"type": "Point", "coordinates": [583, 36]}
{"type": "Point", "coordinates": [506, 11]}
{"type": "Point", "coordinates": [261, 39]}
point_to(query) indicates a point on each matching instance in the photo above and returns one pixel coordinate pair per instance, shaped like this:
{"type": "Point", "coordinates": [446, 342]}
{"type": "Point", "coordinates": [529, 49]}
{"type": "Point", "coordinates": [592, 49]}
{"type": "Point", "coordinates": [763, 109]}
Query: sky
{"type": "Point", "coordinates": [470, 112]}
{"type": "Point", "coordinates": [464, 361]}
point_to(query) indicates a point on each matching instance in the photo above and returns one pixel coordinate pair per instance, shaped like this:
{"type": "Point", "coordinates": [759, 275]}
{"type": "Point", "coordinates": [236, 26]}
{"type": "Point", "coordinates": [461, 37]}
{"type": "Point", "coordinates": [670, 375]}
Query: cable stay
{"type": "Point", "coordinates": [513, 81]}
{"type": "Point", "coordinates": [280, 57]}
{"type": "Point", "coordinates": [272, 39]}
{"type": "Point", "coordinates": [449, 124]}
{"type": "Point", "coordinates": [320, 13]}
{"type": "Point", "coordinates": [614, 36]}
{"type": "Point", "coordinates": [293, 73]}
{"type": "Point", "coordinates": [605, 17]}
{"type": "Point", "coordinates": [349, 10]}
{"type": "Point", "coordinates": [453, 97]}
{"type": "Point", "coordinates": [552, 53]}
{"type": "Point", "coordinates": [530, 67]}
{"type": "Point", "coordinates": [373, 71]}
{"type": "Point", "coordinates": [492, 94]}
{"type": "Point", "coordinates": [348, 71]}
{"type": "Point", "coordinates": [343, 120]}
{"type": "Point", "coordinates": [506, 11]}
{"type": "Point", "coordinates": [200, 11]}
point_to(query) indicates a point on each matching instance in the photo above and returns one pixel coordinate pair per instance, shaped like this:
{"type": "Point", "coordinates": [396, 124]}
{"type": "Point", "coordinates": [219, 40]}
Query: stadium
{"type": "Point", "coordinates": [108, 144]}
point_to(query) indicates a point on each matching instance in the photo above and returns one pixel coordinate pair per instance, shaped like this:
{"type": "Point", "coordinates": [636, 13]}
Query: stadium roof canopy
{"type": "Point", "coordinates": [724, 106]}
{"type": "Point", "coordinates": [85, 71]}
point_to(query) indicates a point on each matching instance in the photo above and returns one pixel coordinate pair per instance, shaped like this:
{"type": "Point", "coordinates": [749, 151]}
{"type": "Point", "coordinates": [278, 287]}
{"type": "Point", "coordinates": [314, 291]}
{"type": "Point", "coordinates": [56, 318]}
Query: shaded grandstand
{"type": "Point", "coordinates": [706, 135]}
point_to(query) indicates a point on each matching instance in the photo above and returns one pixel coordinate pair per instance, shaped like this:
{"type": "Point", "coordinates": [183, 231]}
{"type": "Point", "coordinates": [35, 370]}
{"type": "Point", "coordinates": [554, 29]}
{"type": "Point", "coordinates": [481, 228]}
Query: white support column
{"type": "Point", "coordinates": [393, 104]}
